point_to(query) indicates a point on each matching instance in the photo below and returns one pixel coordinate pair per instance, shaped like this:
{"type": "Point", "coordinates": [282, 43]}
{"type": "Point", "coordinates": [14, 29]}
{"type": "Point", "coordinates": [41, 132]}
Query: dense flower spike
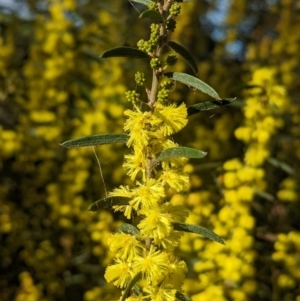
{"type": "Point", "coordinates": [148, 251]}
{"type": "Point", "coordinates": [233, 266]}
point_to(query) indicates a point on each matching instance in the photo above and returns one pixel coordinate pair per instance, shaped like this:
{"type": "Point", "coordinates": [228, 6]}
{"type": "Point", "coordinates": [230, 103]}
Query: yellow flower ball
{"type": "Point", "coordinates": [246, 174]}
{"type": "Point", "coordinates": [198, 244]}
{"type": "Point", "coordinates": [287, 195]}
{"type": "Point", "coordinates": [188, 168]}
{"type": "Point", "coordinates": [247, 222]}
{"type": "Point", "coordinates": [278, 256]}
{"type": "Point", "coordinates": [285, 281]}
{"type": "Point", "coordinates": [289, 183]}
{"type": "Point", "coordinates": [294, 237]}
{"type": "Point", "coordinates": [195, 181]}
{"type": "Point", "coordinates": [230, 180]}
{"type": "Point", "coordinates": [245, 193]}
{"type": "Point", "coordinates": [225, 214]}
{"type": "Point", "coordinates": [243, 134]}
{"type": "Point", "coordinates": [231, 196]}
{"type": "Point", "coordinates": [203, 266]}
{"type": "Point", "coordinates": [262, 76]}
{"type": "Point", "coordinates": [263, 136]}
{"type": "Point", "coordinates": [233, 164]}
{"type": "Point", "coordinates": [65, 223]}
{"type": "Point", "coordinates": [256, 156]}
{"type": "Point", "coordinates": [65, 209]}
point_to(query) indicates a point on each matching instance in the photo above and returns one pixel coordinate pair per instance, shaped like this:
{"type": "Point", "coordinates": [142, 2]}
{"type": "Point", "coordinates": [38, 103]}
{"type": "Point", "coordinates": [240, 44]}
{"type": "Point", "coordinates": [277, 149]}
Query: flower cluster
{"type": "Point", "coordinates": [150, 252]}
{"type": "Point", "coordinates": [149, 46]}
{"type": "Point", "coordinates": [271, 51]}
{"type": "Point", "coordinates": [28, 290]}
{"type": "Point", "coordinates": [144, 254]}
{"type": "Point", "coordinates": [56, 205]}
{"type": "Point", "coordinates": [287, 252]}
{"type": "Point", "coordinates": [231, 268]}
{"type": "Point", "coordinates": [288, 190]}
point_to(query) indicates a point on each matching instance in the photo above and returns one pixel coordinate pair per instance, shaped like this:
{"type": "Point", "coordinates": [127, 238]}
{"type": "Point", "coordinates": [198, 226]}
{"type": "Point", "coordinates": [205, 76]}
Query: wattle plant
{"type": "Point", "coordinates": [145, 267]}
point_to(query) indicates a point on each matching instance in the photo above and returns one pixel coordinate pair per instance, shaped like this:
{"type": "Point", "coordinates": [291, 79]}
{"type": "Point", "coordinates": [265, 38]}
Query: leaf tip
{"type": "Point", "coordinates": [91, 208]}
{"type": "Point", "coordinates": [63, 144]}
{"type": "Point", "coordinates": [222, 242]}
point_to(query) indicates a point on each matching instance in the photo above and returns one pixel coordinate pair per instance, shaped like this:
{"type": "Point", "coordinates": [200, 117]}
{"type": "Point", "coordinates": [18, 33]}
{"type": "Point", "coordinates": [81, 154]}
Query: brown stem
{"type": "Point", "coordinates": [153, 92]}
{"type": "Point", "coordinates": [163, 9]}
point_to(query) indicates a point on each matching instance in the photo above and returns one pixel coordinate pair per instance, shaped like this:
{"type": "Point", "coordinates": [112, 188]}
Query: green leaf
{"type": "Point", "coordinates": [134, 280]}
{"type": "Point", "coordinates": [129, 229]}
{"type": "Point", "coordinates": [282, 165]}
{"type": "Point", "coordinates": [182, 297]}
{"type": "Point", "coordinates": [265, 195]}
{"type": "Point", "coordinates": [185, 54]}
{"type": "Point", "coordinates": [175, 152]}
{"type": "Point", "coordinates": [152, 14]}
{"type": "Point", "coordinates": [208, 105]}
{"type": "Point", "coordinates": [125, 52]}
{"type": "Point", "coordinates": [237, 104]}
{"type": "Point", "coordinates": [95, 140]}
{"type": "Point", "coordinates": [108, 202]}
{"type": "Point", "coordinates": [194, 82]}
{"type": "Point", "coordinates": [198, 230]}
{"type": "Point", "coordinates": [145, 2]}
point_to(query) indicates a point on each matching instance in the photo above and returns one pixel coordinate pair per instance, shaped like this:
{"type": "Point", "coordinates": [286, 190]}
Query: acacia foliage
{"type": "Point", "coordinates": [53, 88]}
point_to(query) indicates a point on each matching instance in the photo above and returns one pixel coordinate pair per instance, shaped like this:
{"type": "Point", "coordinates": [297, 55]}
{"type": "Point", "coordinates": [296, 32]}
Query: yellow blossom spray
{"type": "Point", "coordinates": [145, 267]}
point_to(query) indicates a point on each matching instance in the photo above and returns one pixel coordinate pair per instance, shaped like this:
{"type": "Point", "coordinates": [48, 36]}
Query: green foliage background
{"type": "Point", "coordinates": [54, 87]}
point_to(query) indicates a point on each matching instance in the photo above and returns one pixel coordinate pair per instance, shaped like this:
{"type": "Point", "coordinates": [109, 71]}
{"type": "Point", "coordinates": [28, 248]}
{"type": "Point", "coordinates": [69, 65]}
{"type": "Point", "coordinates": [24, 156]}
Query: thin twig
{"type": "Point", "coordinates": [100, 169]}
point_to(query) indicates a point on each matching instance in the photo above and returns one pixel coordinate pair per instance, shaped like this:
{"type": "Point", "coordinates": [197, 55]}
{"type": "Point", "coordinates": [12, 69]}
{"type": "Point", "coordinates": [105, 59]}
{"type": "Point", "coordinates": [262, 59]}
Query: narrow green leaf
{"type": "Point", "coordinates": [237, 104]}
{"type": "Point", "coordinates": [282, 165]}
{"type": "Point", "coordinates": [185, 54]}
{"type": "Point", "coordinates": [108, 203]}
{"type": "Point", "coordinates": [198, 230]}
{"type": "Point", "coordinates": [125, 52]}
{"type": "Point", "coordinates": [145, 2]}
{"type": "Point", "coordinates": [241, 87]}
{"type": "Point", "coordinates": [134, 280]}
{"type": "Point", "coordinates": [175, 152]}
{"type": "Point", "coordinates": [265, 195]}
{"type": "Point", "coordinates": [95, 140]}
{"type": "Point", "coordinates": [182, 297]}
{"type": "Point", "coordinates": [151, 14]}
{"type": "Point", "coordinates": [129, 229]}
{"type": "Point", "coordinates": [208, 105]}
{"type": "Point", "coordinates": [194, 82]}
